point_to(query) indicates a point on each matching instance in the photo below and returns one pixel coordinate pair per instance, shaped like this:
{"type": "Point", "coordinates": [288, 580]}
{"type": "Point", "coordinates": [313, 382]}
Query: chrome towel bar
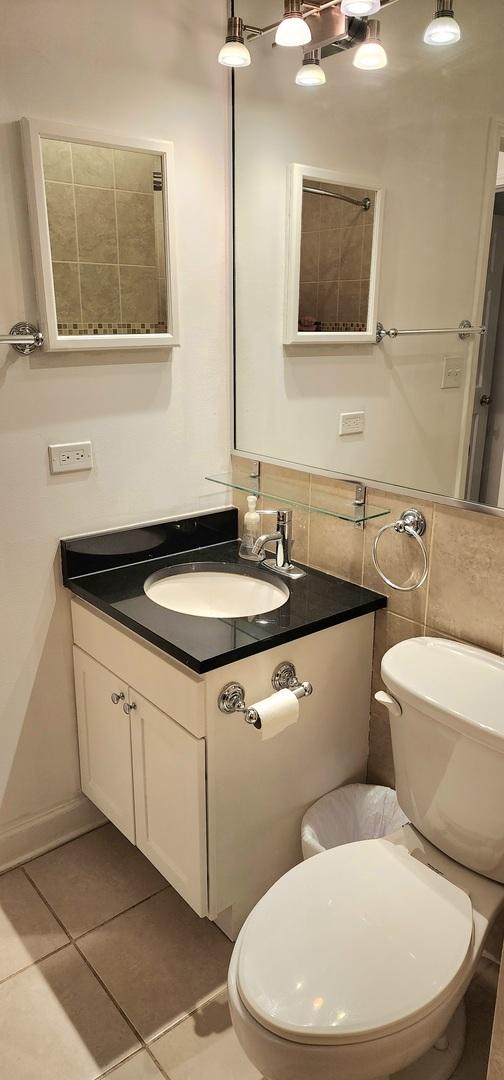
{"type": "Point", "coordinates": [465, 330]}
{"type": "Point", "coordinates": [24, 338]}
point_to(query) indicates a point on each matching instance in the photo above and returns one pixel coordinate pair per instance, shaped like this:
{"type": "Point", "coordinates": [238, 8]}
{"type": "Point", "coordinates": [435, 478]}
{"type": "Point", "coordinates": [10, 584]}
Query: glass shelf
{"type": "Point", "coordinates": [338, 506]}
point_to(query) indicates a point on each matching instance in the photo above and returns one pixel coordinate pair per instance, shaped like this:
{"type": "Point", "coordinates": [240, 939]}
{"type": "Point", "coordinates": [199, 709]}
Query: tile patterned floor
{"type": "Point", "coordinates": [106, 972]}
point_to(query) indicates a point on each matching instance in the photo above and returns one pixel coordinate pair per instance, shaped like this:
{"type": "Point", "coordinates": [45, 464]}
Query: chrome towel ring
{"type": "Point", "coordinates": [413, 524]}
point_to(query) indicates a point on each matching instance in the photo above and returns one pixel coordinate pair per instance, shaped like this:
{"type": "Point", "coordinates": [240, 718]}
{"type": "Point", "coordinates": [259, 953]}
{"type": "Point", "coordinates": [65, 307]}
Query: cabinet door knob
{"type": "Point", "coordinates": [129, 708]}
{"type": "Point", "coordinates": [116, 698]}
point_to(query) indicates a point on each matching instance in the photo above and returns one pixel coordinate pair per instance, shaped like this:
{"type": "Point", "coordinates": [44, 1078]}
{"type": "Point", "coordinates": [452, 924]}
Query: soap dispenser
{"type": "Point", "coordinates": [251, 527]}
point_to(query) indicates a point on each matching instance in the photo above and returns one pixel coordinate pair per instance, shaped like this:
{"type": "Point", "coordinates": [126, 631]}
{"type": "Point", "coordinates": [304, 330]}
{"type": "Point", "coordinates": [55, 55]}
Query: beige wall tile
{"type": "Point", "coordinates": [351, 254]}
{"type": "Point", "coordinates": [335, 546]}
{"type": "Point", "coordinates": [292, 485]}
{"type": "Point", "coordinates": [328, 301]}
{"type": "Point", "coordinates": [399, 555]}
{"type": "Point", "coordinates": [309, 256]}
{"type": "Point", "coordinates": [308, 301]}
{"type": "Point", "coordinates": [364, 301]}
{"type": "Point", "coordinates": [61, 215]}
{"type": "Point", "coordinates": [330, 254]}
{"type": "Point", "coordinates": [466, 589]}
{"type": "Point", "coordinates": [390, 629]}
{"type": "Point", "coordinates": [349, 301]}
{"type": "Point", "coordinates": [310, 216]}
{"type": "Point", "coordinates": [100, 293]}
{"type": "Point", "coordinates": [134, 169]}
{"type": "Point", "coordinates": [56, 156]}
{"type": "Point", "coordinates": [139, 294]}
{"type": "Point", "coordinates": [93, 165]}
{"type": "Point", "coordinates": [367, 246]}
{"type": "Point", "coordinates": [67, 291]}
{"type": "Point", "coordinates": [135, 226]}
{"type": "Point", "coordinates": [330, 209]}
{"type": "Point", "coordinates": [380, 760]}
{"type": "Point", "coordinates": [96, 225]}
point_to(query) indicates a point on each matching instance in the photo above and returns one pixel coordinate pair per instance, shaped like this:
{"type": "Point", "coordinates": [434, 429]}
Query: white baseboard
{"type": "Point", "coordinates": [40, 833]}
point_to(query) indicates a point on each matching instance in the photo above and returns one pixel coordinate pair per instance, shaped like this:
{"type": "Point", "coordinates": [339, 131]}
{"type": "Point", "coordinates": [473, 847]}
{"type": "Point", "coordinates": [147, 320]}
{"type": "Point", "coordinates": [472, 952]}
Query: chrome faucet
{"type": "Point", "coordinates": [282, 536]}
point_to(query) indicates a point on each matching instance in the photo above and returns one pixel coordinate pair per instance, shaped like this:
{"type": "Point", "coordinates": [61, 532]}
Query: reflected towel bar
{"type": "Point", "coordinates": [24, 337]}
{"type": "Point", "coordinates": [364, 203]}
{"type": "Point", "coordinates": [464, 330]}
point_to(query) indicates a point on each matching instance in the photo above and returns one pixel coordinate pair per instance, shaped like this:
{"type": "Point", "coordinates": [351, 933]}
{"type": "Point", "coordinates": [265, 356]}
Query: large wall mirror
{"type": "Point", "coordinates": [102, 228]}
{"type": "Point", "coordinates": [425, 131]}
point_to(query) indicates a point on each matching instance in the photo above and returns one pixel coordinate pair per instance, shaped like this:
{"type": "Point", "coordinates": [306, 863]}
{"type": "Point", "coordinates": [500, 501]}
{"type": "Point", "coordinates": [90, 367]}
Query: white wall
{"type": "Point", "coordinates": [419, 128]}
{"type": "Point", "coordinates": [157, 423]}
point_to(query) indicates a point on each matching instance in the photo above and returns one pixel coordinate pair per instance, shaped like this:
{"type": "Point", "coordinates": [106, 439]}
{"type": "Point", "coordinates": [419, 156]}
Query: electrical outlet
{"type": "Point", "coordinates": [351, 423]}
{"type": "Point", "coordinates": [70, 457]}
{"type": "Point", "coordinates": [453, 372]}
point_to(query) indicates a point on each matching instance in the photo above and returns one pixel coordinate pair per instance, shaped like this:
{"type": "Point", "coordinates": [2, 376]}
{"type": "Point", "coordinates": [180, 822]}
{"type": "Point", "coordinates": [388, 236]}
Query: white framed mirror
{"type": "Point", "coordinates": [333, 252]}
{"type": "Point", "coordinates": [101, 216]}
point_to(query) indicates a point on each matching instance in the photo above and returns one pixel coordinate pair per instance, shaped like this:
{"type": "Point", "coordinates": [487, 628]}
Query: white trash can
{"type": "Point", "coordinates": [353, 812]}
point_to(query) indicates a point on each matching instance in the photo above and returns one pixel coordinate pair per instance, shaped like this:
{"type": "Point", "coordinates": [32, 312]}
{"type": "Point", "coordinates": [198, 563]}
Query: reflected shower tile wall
{"type": "Point", "coordinates": [106, 223]}
{"type": "Point", "coordinates": [336, 241]}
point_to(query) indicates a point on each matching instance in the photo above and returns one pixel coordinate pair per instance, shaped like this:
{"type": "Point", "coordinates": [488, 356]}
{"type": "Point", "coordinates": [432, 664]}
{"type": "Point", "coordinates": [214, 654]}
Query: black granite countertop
{"type": "Point", "coordinates": [109, 570]}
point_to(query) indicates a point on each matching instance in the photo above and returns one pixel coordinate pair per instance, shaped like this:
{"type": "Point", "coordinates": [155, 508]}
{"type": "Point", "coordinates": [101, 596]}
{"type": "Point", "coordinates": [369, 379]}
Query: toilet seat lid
{"type": "Point", "coordinates": [355, 943]}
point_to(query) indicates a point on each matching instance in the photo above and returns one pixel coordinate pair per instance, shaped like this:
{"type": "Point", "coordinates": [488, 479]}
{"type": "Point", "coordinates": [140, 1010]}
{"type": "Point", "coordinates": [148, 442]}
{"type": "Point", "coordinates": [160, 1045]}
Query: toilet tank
{"type": "Point", "coordinates": [448, 746]}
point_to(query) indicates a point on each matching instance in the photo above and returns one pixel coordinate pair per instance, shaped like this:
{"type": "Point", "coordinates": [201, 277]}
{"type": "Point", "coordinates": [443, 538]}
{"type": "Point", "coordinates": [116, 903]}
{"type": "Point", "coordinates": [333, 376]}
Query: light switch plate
{"type": "Point", "coordinates": [70, 457]}
{"type": "Point", "coordinates": [453, 372]}
{"type": "Point", "coordinates": [351, 423]}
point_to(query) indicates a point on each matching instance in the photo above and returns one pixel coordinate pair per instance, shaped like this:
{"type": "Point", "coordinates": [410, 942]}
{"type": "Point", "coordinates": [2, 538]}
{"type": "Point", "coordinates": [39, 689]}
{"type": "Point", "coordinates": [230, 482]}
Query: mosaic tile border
{"type": "Point", "coordinates": [75, 329]}
{"type": "Point", "coordinates": [335, 328]}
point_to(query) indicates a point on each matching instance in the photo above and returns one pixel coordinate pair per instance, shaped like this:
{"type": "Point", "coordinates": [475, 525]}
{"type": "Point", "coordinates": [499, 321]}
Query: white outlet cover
{"type": "Point", "coordinates": [453, 372]}
{"type": "Point", "coordinates": [70, 457]}
{"type": "Point", "coordinates": [351, 423]}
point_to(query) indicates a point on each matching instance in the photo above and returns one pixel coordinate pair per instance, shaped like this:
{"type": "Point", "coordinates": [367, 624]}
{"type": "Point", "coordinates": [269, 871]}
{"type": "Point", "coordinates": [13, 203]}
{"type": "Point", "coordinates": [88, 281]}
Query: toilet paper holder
{"type": "Point", "coordinates": [232, 696]}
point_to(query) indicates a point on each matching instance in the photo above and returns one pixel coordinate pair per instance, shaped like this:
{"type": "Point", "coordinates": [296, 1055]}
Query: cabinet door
{"type": "Point", "coordinates": [170, 800]}
{"type": "Point", "coordinates": [104, 742]}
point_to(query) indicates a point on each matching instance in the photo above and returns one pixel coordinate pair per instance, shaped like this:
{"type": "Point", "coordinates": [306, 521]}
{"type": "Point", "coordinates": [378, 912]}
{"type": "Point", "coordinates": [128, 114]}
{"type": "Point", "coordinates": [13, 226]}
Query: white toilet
{"type": "Point", "coordinates": [353, 965]}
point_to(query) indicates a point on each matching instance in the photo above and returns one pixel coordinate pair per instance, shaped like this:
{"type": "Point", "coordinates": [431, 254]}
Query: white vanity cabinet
{"type": "Point", "coordinates": [145, 773]}
{"type": "Point", "coordinates": [212, 804]}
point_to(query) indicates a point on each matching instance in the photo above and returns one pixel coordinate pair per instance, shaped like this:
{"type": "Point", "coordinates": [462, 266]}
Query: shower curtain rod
{"type": "Point", "coordinates": [364, 203]}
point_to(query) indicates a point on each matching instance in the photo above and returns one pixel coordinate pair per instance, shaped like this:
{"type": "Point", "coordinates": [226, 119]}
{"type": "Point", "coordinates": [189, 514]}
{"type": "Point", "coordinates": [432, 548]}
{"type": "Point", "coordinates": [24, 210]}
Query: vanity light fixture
{"type": "Point", "coordinates": [293, 29]}
{"type": "Point", "coordinates": [311, 73]}
{"type": "Point", "coordinates": [359, 9]}
{"type": "Point", "coordinates": [371, 55]}
{"type": "Point", "coordinates": [234, 52]}
{"type": "Point", "coordinates": [444, 28]}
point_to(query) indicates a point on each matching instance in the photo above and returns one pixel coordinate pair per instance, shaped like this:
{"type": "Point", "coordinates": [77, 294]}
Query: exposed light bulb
{"type": "Point", "coordinates": [310, 72]}
{"type": "Point", "coordinates": [444, 28]}
{"type": "Point", "coordinates": [293, 29]}
{"type": "Point", "coordinates": [371, 55]}
{"type": "Point", "coordinates": [234, 52]}
{"type": "Point", "coordinates": [359, 9]}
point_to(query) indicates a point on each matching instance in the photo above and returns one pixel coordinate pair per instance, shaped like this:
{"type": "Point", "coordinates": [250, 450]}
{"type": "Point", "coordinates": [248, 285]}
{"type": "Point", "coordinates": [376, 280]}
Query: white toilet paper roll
{"type": "Point", "coordinates": [277, 712]}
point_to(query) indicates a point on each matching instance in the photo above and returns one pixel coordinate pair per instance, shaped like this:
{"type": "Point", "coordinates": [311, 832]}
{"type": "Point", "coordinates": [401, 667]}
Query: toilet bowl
{"type": "Point", "coordinates": [354, 963]}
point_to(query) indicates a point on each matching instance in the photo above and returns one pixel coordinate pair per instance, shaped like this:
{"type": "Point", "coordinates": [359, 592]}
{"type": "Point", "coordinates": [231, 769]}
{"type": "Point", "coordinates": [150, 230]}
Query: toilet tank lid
{"type": "Point", "coordinates": [456, 684]}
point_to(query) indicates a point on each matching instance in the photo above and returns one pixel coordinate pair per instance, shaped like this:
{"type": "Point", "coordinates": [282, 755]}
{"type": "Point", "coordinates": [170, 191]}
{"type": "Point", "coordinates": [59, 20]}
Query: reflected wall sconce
{"type": "Point", "coordinates": [443, 28]}
{"type": "Point", "coordinates": [371, 55]}
{"type": "Point", "coordinates": [323, 28]}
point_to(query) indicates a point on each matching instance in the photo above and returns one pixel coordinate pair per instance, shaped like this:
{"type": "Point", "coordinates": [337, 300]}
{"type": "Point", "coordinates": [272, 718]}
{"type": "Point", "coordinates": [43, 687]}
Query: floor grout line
{"type": "Point", "coordinates": [109, 994]}
{"type": "Point", "coordinates": [35, 963]}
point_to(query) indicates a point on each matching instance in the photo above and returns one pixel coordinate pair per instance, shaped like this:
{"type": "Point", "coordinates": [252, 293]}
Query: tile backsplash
{"type": "Point", "coordinates": [106, 227]}
{"type": "Point", "coordinates": [463, 596]}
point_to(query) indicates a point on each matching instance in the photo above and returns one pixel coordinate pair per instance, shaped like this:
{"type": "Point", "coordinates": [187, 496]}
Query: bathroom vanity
{"type": "Point", "coordinates": [213, 804]}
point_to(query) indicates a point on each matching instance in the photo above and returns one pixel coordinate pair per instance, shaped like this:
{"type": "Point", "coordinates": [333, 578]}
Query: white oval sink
{"type": "Point", "coordinates": [215, 594]}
